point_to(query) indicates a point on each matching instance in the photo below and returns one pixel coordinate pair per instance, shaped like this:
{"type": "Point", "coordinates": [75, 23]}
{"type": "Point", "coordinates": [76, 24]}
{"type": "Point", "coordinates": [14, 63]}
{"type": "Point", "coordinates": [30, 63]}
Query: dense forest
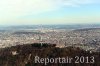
{"type": "Point", "coordinates": [24, 55]}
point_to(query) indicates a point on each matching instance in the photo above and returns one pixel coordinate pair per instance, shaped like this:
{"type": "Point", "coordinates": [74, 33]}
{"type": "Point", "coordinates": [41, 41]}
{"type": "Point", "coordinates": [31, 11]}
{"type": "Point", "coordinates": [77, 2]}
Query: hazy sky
{"type": "Point", "coordinates": [24, 12]}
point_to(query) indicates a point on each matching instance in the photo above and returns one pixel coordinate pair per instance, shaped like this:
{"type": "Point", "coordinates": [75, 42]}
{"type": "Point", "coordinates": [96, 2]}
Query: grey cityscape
{"type": "Point", "coordinates": [86, 37]}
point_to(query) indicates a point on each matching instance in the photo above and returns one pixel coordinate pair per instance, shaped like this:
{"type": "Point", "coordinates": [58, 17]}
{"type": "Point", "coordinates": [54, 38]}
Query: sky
{"type": "Point", "coordinates": [30, 12]}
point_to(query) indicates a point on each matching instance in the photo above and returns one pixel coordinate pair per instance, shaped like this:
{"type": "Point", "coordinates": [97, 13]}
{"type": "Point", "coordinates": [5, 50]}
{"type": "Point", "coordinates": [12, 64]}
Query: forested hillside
{"type": "Point", "coordinates": [24, 55]}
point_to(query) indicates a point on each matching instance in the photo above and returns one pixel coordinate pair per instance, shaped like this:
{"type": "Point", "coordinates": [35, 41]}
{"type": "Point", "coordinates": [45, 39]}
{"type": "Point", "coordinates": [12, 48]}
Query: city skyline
{"type": "Point", "coordinates": [23, 12]}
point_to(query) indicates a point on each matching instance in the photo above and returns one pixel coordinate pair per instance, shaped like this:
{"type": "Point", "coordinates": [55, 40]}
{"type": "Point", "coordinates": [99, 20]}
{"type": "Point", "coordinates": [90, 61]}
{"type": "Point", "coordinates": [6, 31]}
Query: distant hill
{"type": "Point", "coordinates": [25, 32]}
{"type": "Point", "coordinates": [87, 29]}
{"type": "Point", "coordinates": [56, 26]}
